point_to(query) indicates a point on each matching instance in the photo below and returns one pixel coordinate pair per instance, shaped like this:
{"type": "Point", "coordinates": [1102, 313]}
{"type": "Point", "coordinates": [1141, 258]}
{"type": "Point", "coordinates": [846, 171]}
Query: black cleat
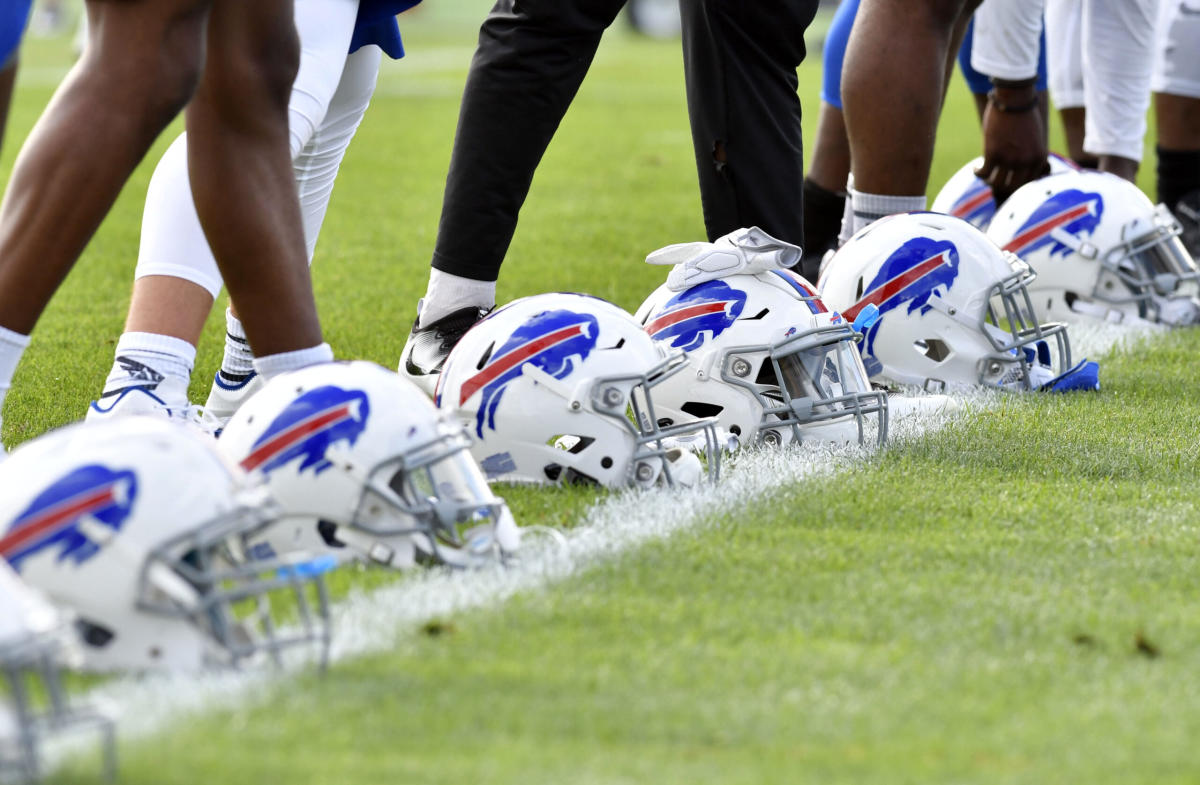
{"type": "Point", "coordinates": [1187, 211]}
{"type": "Point", "coordinates": [427, 348]}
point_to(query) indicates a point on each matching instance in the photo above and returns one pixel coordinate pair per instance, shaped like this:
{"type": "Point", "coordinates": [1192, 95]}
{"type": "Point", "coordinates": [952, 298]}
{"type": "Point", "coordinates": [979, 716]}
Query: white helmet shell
{"type": "Point", "coordinates": [1101, 250]}
{"type": "Point", "coordinates": [135, 526]}
{"type": "Point", "coordinates": [560, 388]}
{"type": "Point", "coordinates": [767, 358]}
{"type": "Point", "coordinates": [363, 464]}
{"type": "Point", "coordinates": [953, 308]}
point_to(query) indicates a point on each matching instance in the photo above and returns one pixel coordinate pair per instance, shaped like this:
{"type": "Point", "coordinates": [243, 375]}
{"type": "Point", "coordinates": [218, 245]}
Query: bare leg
{"type": "Point", "coordinates": [825, 190]}
{"type": "Point", "coordinates": [1178, 121]}
{"type": "Point", "coordinates": [1126, 168]}
{"type": "Point", "coordinates": [8, 75]}
{"type": "Point", "coordinates": [140, 68]}
{"type": "Point", "coordinates": [831, 150]}
{"type": "Point", "coordinates": [241, 172]}
{"type": "Point", "coordinates": [891, 122]}
{"type": "Point", "coordinates": [1072, 121]}
{"type": "Point", "coordinates": [166, 305]}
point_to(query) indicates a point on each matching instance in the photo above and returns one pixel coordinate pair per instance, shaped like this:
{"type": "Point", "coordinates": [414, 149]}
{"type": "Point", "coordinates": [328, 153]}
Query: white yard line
{"type": "Point", "coordinates": [372, 621]}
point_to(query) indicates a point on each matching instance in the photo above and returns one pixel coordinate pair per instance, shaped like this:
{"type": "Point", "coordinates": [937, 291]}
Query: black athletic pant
{"type": "Point", "coordinates": [740, 58]}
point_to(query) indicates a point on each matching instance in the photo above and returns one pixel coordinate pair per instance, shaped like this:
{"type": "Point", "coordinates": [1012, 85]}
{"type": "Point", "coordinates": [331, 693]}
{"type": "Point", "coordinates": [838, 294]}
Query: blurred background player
{"type": "Point", "coordinates": [177, 279]}
{"type": "Point", "coordinates": [231, 63]}
{"type": "Point", "coordinates": [1100, 63]}
{"type": "Point", "coordinates": [1063, 19]}
{"type": "Point", "coordinates": [1176, 85]}
{"type": "Point", "coordinates": [740, 63]}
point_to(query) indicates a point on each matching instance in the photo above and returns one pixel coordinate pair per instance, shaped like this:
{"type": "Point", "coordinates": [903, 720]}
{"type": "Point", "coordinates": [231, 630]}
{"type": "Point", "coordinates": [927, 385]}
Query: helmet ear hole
{"type": "Point", "coordinates": [701, 410]}
{"type": "Point", "coordinates": [933, 348]}
{"type": "Point", "coordinates": [95, 635]}
{"type": "Point", "coordinates": [570, 442]}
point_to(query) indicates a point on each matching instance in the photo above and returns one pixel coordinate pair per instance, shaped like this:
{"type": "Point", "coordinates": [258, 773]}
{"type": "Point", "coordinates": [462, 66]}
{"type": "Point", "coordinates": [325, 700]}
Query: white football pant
{"type": "Point", "coordinates": [331, 93]}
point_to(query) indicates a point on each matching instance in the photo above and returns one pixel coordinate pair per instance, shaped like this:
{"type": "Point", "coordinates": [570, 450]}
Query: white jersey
{"type": "Point", "coordinates": [1177, 49]}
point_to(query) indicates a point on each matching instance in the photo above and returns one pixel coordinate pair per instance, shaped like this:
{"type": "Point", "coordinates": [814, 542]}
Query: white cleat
{"type": "Point", "coordinates": [166, 400]}
{"type": "Point", "coordinates": [225, 398]}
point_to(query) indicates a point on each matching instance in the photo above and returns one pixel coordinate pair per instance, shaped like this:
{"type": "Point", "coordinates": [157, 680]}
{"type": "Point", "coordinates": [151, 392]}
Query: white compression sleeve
{"type": "Point", "coordinates": [317, 165]}
{"type": "Point", "coordinates": [1006, 38]}
{"type": "Point", "coordinates": [1118, 39]}
{"type": "Point", "coordinates": [173, 243]}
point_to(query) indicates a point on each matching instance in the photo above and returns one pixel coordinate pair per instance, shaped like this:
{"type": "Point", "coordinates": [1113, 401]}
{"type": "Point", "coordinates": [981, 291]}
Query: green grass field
{"type": "Point", "coordinates": [1009, 599]}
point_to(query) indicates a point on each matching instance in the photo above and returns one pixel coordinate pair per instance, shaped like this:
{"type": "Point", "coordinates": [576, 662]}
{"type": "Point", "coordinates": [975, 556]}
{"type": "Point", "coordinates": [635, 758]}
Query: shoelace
{"type": "Point", "coordinates": [449, 332]}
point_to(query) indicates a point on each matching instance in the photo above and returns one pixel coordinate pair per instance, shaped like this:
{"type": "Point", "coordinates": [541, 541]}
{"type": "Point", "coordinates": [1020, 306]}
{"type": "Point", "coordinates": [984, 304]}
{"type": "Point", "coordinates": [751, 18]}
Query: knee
{"type": "Point", "coordinates": [255, 73]}
{"type": "Point", "coordinates": [150, 65]}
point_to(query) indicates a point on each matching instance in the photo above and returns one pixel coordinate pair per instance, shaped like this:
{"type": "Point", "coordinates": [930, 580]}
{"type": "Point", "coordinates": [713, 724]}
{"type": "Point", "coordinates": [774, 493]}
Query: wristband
{"type": "Point", "coordinates": [1001, 106]}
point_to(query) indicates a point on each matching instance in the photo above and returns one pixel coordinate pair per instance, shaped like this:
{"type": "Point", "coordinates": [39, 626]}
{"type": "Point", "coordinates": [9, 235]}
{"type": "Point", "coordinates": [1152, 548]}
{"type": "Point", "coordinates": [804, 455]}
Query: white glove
{"type": "Point", "coordinates": [744, 251]}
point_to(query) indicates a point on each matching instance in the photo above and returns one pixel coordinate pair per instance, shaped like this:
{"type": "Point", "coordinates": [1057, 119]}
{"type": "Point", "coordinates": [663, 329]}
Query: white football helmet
{"type": "Point", "coordinates": [766, 358]}
{"type": "Point", "coordinates": [138, 526]}
{"type": "Point", "coordinates": [364, 465]}
{"type": "Point", "coordinates": [1101, 249]}
{"type": "Point", "coordinates": [954, 310]}
{"type": "Point", "coordinates": [966, 196]}
{"type": "Point", "coordinates": [35, 645]}
{"type": "Point", "coordinates": [561, 388]}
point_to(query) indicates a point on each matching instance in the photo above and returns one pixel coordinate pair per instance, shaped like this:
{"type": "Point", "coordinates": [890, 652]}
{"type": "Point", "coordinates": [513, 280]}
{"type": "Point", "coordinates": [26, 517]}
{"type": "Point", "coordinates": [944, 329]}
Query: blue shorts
{"type": "Point", "coordinates": [376, 24]}
{"type": "Point", "coordinates": [13, 16]}
{"type": "Point", "coordinates": [979, 83]}
{"type": "Point", "coordinates": [835, 53]}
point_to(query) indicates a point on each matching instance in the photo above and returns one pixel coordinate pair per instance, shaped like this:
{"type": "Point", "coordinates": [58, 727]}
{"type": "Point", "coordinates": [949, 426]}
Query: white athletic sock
{"type": "Point", "coordinates": [448, 293]}
{"type": "Point", "coordinates": [12, 346]}
{"type": "Point", "coordinates": [238, 362]}
{"type": "Point", "coordinates": [149, 359]}
{"type": "Point", "coordinates": [869, 208]}
{"type": "Point", "coordinates": [275, 364]}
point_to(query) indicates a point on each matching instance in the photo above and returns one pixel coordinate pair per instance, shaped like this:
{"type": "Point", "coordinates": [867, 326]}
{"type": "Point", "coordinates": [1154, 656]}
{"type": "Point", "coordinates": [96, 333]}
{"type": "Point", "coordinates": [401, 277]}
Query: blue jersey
{"type": "Point", "coordinates": [13, 16]}
{"type": "Point", "coordinates": [376, 24]}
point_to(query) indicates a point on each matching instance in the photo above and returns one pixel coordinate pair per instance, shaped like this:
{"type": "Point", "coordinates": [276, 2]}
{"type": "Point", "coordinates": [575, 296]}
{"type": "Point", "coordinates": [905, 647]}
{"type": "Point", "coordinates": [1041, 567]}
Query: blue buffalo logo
{"type": "Point", "coordinates": [916, 271]}
{"type": "Point", "coordinates": [308, 427]}
{"type": "Point", "coordinates": [552, 341]}
{"type": "Point", "coordinates": [697, 315]}
{"type": "Point", "coordinates": [1074, 212]}
{"type": "Point", "coordinates": [52, 520]}
{"type": "Point", "coordinates": [976, 205]}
